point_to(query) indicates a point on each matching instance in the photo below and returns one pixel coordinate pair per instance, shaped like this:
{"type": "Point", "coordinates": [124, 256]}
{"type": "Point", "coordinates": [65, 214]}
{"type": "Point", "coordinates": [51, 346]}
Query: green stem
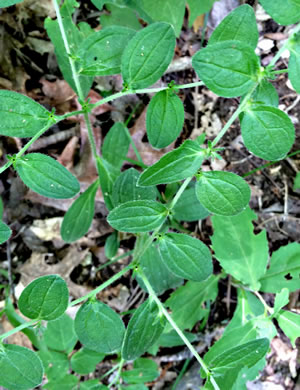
{"type": "Point", "coordinates": [135, 162]}
{"type": "Point", "coordinates": [113, 260]}
{"type": "Point", "coordinates": [5, 166]}
{"type": "Point", "coordinates": [17, 329]}
{"type": "Point", "coordinates": [135, 149]}
{"type": "Point", "coordinates": [180, 192]}
{"type": "Point", "coordinates": [69, 114]}
{"type": "Point", "coordinates": [117, 378]}
{"type": "Point", "coordinates": [280, 71]}
{"type": "Point", "coordinates": [176, 328]}
{"type": "Point", "coordinates": [114, 368]}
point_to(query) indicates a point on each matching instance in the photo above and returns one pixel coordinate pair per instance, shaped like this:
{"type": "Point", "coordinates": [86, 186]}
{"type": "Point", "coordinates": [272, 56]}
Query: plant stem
{"type": "Point", "coordinates": [114, 368]}
{"type": "Point", "coordinates": [117, 377]}
{"type": "Point", "coordinates": [102, 286]}
{"type": "Point", "coordinates": [266, 306]}
{"type": "Point", "coordinates": [135, 162]}
{"type": "Point", "coordinates": [280, 71]}
{"type": "Point", "coordinates": [69, 114]}
{"type": "Point", "coordinates": [113, 260]}
{"type": "Point", "coordinates": [135, 149]}
{"type": "Point", "coordinates": [180, 192]}
{"type": "Point", "coordinates": [176, 328]}
{"type": "Point", "coordinates": [17, 329]}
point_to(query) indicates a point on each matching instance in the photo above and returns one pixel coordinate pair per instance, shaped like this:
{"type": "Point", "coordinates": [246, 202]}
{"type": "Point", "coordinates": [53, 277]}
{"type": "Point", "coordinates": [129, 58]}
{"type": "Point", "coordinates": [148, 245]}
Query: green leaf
{"type": "Point", "coordinates": [165, 11]}
{"type": "Point", "coordinates": [108, 175]}
{"type": "Point", "coordinates": [92, 384]}
{"type": "Point", "coordinates": [187, 301]}
{"type": "Point", "coordinates": [294, 64]}
{"type": "Point", "coordinates": [229, 68]}
{"type": "Point", "coordinates": [288, 14]}
{"type": "Point", "coordinates": [46, 176]}
{"type": "Point", "coordinates": [111, 245]}
{"type": "Point", "coordinates": [267, 132]}
{"type": "Point", "coordinates": [223, 193]}
{"type": "Point", "coordinates": [99, 328]}
{"type": "Point", "coordinates": [1, 208]}
{"type": "Point", "coordinates": [159, 276]}
{"type": "Point", "coordinates": [174, 166]}
{"type": "Point", "coordinates": [144, 370]}
{"type": "Point", "coordinates": [240, 252]}
{"type": "Point", "coordinates": [281, 300]}
{"type": "Point", "coordinates": [188, 208]}
{"type": "Point", "coordinates": [68, 382]}
{"type": "Point", "coordinates": [56, 364]}
{"type": "Point", "coordinates": [164, 120]}
{"type": "Point", "coordinates": [185, 256]}
{"type": "Point", "coordinates": [8, 3]}
{"type": "Point", "coordinates": [116, 140]}
{"type": "Point", "coordinates": [297, 181]}
{"type": "Point", "coordinates": [5, 232]}
{"type": "Point", "coordinates": [21, 368]}
{"type": "Point", "coordinates": [79, 216]}
{"type": "Point", "coordinates": [60, 334]}
{"type": "Point", "coordinates": [45, 298]}
{"type": "Point", "coordinates": [125, 188]}
{"type": "Point", "coordinates": [120, 16]}
{"type": "Point", "coordinates": [75, 38]}
{"type": "Point", "coordinates": [289, 322]}
{"type": "Point", "coordinates": [266, 94]}
{"type": "Point", "coordinates": [20, 115]}
{"type": "Point", "coordinates": [84, 361]}
{"type": "Point", "coordinates": [248, 374]}
{"type": "Point", "coordinates": [197, 8]}
{"type": "Point", "coordinates": [102, 51]}
{"type": "Point", "coordinates": [240, 25]}
{"type": "Point", "coordinates": [144, 328]}
{"type": "Point", "coordinates": [147, 55]}
{"type": "Point", "coordinates": [137, 216]}
{"type": "Point", "coordinates": [171, 339]}
{"type": "Point", "coordinates": [284, 270]}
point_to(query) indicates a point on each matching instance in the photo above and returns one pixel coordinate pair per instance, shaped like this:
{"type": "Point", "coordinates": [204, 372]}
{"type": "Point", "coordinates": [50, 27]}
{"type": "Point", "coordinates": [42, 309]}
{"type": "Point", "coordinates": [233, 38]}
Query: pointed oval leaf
{"type": "Point", "coordinates": [239, 25]}
{"type": "Point", "coordinates": [20, 115]}
{"type": "Point", "coordinates": [111, 245]}
{"type": "Point", "coordinates": [56, 364]}
{"type": "Point", "coordinates": [229, 68]}
{"type": "Point", "coordinates": [108, 175]}
{"type": "Point", "coordinates": [8, 3]}
{"type": "Point", "coordinates": [185, 256]}
{"type": "Point", "coordinates": [223, 193]}
{"type": "Point", "coordinates": [289, 322]}
{"type": "Point", "coordinates": [188, 208]}
{"type": "Point", "coordinates": [267, 132]}
{"type": "Point", "coordinates": [46, 176]}
{"type": "Point", "coordinates": [102, 51]}
{"type": "Point", "coordinates": [294, 65]}
{"type": "Point", "coordinates": [137, 216]}
{"type": "Point", "coordinates": [45, 298]}
{"type": "Point", "coordinates": [79, 217]}
{"type": "Point", "coordinates": [99, 328]}
{"type": "Point", "coordinates": [60, 334]}
{"type": "Point", "coordinates": [84, 361]}
{"type": "Point", "coordinates": [20, 367]}
{"type": "Point", "coordinates": [5, 232]}
{"type": "Point", "coordinates": [288, 14]}
{"type": "Point", "coordinates": [144, 370]}
{"type": "Point", "coordinates": [148, 55]}
{"type": "Point", "coordinates": [144, 328]}
{"type": "Point", "coordinates": [174, 166]}
{"type": "Point", "coordinates": [68, 382]}
{"type": "Point", "coordinates": [117, 139]}
{"type": "Point", "coordinates": [125, 188]}
{"type": "Point", "coordinates": [266, 94]}
{"type": "Point", "coordinates": [164, 120]}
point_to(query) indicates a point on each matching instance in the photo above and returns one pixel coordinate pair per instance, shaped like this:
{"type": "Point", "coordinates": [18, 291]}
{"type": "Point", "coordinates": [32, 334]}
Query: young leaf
{"type": "Point", "coordinates": [8, 3]}
{"type": "Point", "coordinates": [188, 208]}
{"type": "Point", "coordinates": [174, 166]}
{"type": "Point", "coordinates": [84, 361]}
{"type": "Point", "coordinates": [79, 216]}
{"type": "Point", "coordinates": [294, 65]}
{"type": "Point", "coordinates": [75, 37]}
{"type": "Point", "coordinates": [137, 216]}
{"type": "Point", "coordinates": [144, 328]}
{"type": "Point", "coordinates": [267, 132]}
{"type": "Point", "coordinates": [164, 120]}
{"type": "Point", "coordinates": [111, 245]}
{"type": "Point", "coordinates": [125, 188]}
{"type": "Point", "coordinates": [60, 334]}
{"type": "Point", "coordinates": [266, 94]}
{"type": "Point", "coordinates": [223, 193]}
{"type": "Point", "coordinates": [187, 301]}
{"type": "Point", "coordinates": [147, 55]}
{"type": "Point", "coordinates": [281, 300]}
{"type": "Point", "coordinates": [68, 382]}
{"type": "Point", "coordinates": [99, 328]}
{"type": "Point", "coordinates": [5, 232]}
{"type": "Point", "coordinates": [144, 370]}
{"type": "Point", "coordinates": [185, 256]}
{"type": "Point", "coordinates": [239, 25]}
{"type": "Point", "coordinates": [240, 252]}
{"type": "Point", "coordinates": [229, 68]}
{"type": "Point", "coordinates": [21, 368]}
{"type": "Point", "coordinates": [45, 298]}
{"type": "Point", "coordinates": [159, 276]}
{"type": "Point", "coordinates": [46, 176]}
{"type": "Point", "coordinates": [102, 51]}
{"type": "Point", "coordinates": [116, 140]}
{"type": "Point", "coordinates": [56, 364]}
{"type": "Point", "coordinates": [288, 14]}
{"type": "Point", "coordinates": [20, 115]}
{"type": "Point", "coordinates": [289, 322]}
{"type": "Point", "coordinates": [283, 271]}
{"type": "Point", "coordinates": [197, 8]}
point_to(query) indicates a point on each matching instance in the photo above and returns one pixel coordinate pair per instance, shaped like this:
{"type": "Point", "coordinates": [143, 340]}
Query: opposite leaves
{"type": "Point", "coordinates": [148, 55]}
{"type": "Point", "coordinates": [46, 176]}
